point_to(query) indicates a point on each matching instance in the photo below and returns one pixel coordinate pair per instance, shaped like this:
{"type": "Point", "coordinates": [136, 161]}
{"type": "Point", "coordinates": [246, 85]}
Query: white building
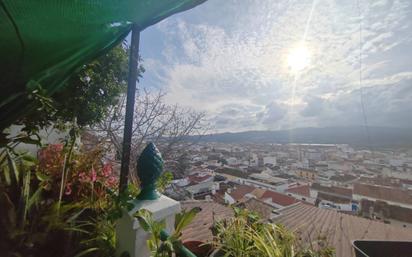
{"type": "Point", "coordinates": [269, 160]}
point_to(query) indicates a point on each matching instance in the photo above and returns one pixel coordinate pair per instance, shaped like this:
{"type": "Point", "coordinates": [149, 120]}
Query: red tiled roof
{"type": "Point", "coordinates": [279, 198]}
{"type": "Point", "coordinates": [338, 228]}
{"type": "Point", "coordinates": [196, 178]}
{"type": "Point", "coordinates": [383, 193]}
{"type": "Point", "coordinates": [263, 209]}
{"type": "Point", "coordinates": [341, 191]}
{"type": "Point", "coordinates": [199, 228]}
{"type": "Point", "coordinates": [300, 190]}
{"type": "Point", "coordinates": [240, 191]}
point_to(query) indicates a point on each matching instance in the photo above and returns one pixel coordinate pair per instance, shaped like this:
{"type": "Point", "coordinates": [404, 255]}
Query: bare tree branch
{"type": "Point", "coordinates": [166, 125]}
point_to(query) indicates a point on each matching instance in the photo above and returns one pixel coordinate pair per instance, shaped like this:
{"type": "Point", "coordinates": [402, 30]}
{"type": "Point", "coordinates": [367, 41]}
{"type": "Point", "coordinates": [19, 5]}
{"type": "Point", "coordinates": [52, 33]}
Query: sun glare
{"type": "Point", "coordinates": [298, 58]}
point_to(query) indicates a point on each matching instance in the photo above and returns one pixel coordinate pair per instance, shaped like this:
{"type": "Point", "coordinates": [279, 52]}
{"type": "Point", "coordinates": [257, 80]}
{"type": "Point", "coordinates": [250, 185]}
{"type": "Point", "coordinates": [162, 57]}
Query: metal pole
{"type": "Point", "coordinates": [130, 102]}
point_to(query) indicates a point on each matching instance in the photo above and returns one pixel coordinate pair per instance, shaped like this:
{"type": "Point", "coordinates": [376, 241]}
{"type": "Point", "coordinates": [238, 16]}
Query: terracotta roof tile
{"type": "Point", "coordinates": [199, 228]}
{"type": "Point", "coordinates": [240, 191]}
{"type": "Point", "coordinates": [258, 192]}
{"type": "Point", "coordinates": [263, 209]}
{"type": "Point", "coordinates": [303, 190]}
{"type": "Point", "coordinates": [383, 193]}
{"type": "Point", "coordinates": [279, 198]}
{"type": "Point", "coordinates": [339, 229]}
{"type": "Point", "coordinates": [197, 178]}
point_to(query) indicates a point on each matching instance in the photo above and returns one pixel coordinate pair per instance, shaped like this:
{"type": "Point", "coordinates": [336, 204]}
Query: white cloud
{"type": "Point", "coordinates": [234, 66]}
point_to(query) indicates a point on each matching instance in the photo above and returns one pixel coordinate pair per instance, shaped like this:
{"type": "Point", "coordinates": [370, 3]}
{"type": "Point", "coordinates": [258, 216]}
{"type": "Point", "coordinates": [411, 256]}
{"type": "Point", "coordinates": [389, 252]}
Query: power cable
{"type": "Point", "coordinates": [362, 100]}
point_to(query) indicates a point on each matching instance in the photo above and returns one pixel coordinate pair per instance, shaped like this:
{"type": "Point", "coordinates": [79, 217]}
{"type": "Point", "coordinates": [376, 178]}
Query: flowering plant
{"type": "Point", "coordinates": [78, 176]}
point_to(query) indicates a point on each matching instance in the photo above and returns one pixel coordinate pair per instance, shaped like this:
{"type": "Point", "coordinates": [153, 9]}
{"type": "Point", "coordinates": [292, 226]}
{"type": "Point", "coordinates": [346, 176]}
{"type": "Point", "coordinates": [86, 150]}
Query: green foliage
{"type": "Point", "coordinates": [121, 202]}
{"type": "Point", "coordinates": [85, 98]}
{"type": "Point", "coordinates": [39, 115]}
{"type": "Point", "coordinates": [245, 235]}
{"type": "Point", "coordinates": [164, 180]}
{"type": "Point", "coordinates": [77, 175]}
{"type": "Point", "coordinates": [159, 243]}
{"type": "Point", "coordinates": [39, 212]}
{"type": "Point", "coordinates": [89, 93]}
{"type": "Point", "coordinates": [29, 223]}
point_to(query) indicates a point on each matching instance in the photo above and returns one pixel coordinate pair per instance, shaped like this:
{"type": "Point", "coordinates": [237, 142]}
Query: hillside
{"type": "Point", "coordinates": [378, 136]}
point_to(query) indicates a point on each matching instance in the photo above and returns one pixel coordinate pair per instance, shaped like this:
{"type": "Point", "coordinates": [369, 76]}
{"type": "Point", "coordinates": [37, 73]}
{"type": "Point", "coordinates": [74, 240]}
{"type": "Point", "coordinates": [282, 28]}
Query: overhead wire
{"type": "Point", "coordinates": [362, 97]}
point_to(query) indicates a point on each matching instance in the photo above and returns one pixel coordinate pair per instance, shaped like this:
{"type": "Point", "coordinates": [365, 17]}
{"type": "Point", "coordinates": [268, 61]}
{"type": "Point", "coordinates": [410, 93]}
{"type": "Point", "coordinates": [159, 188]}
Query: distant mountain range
{"type": "Point", "coordinates": [357, 136]}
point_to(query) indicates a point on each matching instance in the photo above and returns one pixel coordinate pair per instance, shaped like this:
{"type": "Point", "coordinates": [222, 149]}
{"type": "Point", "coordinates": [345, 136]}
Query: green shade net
{"type": "Point", "coordinates": [42, 42]}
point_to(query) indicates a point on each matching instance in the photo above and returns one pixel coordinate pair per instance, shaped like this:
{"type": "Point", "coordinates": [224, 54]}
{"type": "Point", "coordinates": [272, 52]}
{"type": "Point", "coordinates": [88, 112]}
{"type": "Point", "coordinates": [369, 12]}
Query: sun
{"type": "Point", "coordinates": [298, 58]}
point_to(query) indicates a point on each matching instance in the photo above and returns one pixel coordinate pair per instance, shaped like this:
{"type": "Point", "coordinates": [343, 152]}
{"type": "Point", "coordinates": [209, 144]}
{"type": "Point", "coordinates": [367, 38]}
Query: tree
{"type": "Point", "coordinates": [95, 88]}
{"type": "Point", "coordinates": [84, 100]}
{"type": "Point", "coordinates": [154, 120]}
{"type": "Point", "coordinates": [87, 95]}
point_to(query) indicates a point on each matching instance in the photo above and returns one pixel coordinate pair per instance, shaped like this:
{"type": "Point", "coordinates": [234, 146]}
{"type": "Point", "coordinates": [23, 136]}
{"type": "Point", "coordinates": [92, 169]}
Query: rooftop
{"type": "Point", "coordinates": [240, 191]}
{"type": "Point", "coordinates": [339, 229]}
{"type": "Point", "coordinates": [303, 190]}
{"type": "Point", "coordinates": [263, 209]}
{"type": "Point", "coordinates": [199, 228]}
{"type": "Point", "coordinates": [279, 198]}
{"type": "Point", "coordinates": [338, 191]}
{"type": "Point", "coordinates": [198, 178]}
{"type": "Point", "coordinates": [384, 193]}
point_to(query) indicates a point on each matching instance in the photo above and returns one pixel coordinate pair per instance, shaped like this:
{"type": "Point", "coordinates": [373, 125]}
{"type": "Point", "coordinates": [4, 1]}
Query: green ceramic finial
{"type": "Point", "coordinates": [149, 169]}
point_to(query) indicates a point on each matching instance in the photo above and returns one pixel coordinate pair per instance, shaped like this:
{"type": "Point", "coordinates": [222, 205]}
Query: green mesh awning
{"type": "Point", "coordinates": [43, 41]}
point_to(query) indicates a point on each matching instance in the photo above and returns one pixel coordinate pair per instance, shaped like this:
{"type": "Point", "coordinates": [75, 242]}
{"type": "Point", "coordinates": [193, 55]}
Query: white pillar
{"type": "Point", "coordinates": [131, 237]}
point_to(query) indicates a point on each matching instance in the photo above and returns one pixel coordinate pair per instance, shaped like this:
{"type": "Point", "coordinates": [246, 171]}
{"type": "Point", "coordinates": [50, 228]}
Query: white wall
{"type": "Point", "coordinates": [313, 193]}
{"type": "Point", "coordinates": [269, 160]}
{"type": "Point", "coordinates": [229, 199]}
{"type": "Point", "coordinates": [339, 206]}
{"type": "Point", "coordinates": [48, 136]}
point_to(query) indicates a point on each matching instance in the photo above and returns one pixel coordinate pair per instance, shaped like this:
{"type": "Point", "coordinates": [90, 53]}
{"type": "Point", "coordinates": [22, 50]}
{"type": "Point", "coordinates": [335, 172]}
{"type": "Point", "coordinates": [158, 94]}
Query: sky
{"type": "Point", "coordinates": [231, 60]}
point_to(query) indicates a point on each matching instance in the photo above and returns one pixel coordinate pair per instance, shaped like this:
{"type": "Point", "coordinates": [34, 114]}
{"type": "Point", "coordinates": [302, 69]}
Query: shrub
{"type": "Point", "coordinates": [83, 175]}
{"type": "Point", "coordinates": [245, 235]}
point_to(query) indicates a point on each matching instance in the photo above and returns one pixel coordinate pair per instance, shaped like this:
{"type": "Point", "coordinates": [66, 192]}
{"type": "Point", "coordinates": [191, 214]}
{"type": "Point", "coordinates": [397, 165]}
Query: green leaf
{"type": "Point", "coordinates": [183, 219]}
{"type": "Point", "coordinates": [145, 219]}
{"type": "Point", "coordinates": [29, 159]}
{"type": "Point", "coordinates": [35, 198]}
{"type": "Point", "coordinates": [76, 215]}
{"type": "Point", "coordinates": [164, 180]}
{"type": "Point", "coordinates": [26, 195]}
{"type": "Point", "coordinates": [6, 174]}
{"type": "Point", "coordinates": [13, 167]}
{"type": "Point", "coordinates": [42, 177]}
{"type": "Point", "coordinates": [87, 251]}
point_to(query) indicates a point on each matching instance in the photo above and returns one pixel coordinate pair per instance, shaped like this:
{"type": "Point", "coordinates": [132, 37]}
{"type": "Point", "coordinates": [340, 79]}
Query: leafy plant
{"type": "Point", "coordinates": [28, 222]}
{"type": "Point", "coordinates": [246, 235]}
{"type": "Point", "coordinates": [164, 180]}
{"type": "Point", "coordinates": [159, 243]}
{"type": "Point", "coordinates": [82, 175]}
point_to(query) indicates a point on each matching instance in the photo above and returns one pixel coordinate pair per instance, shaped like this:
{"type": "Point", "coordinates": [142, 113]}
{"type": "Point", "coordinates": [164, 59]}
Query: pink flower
{"type": "Point", "coordinates": [93, 175]}
{"type": "Point", "coordinates": [56, 147]}
{"type": "Point", "coordinates": [107, 169]}
{"type": "Point", "coordinates": [111, 182]}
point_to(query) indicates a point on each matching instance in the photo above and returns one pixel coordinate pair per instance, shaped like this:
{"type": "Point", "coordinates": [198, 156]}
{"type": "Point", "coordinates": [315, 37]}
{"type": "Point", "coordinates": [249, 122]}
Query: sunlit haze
{"type": "Point", "coordinates": [270, 65]}
{"type": "Point", "coordinates": [298, 58]}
